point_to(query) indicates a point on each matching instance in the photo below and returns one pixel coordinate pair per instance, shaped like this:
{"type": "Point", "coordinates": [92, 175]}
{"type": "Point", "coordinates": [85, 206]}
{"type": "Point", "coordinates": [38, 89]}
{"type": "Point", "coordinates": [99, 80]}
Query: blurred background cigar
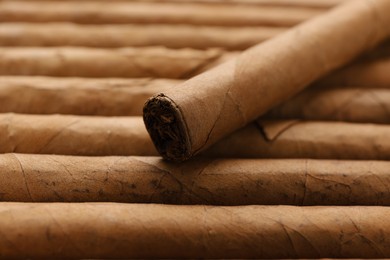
{"type": "Point", "coordinates": [79, 96]}
{"type": "Point", "coordinates": [143, 12]}
{"type": "Point", "coordinates": [324, 4]}
{"type": "Point", "coordinates": [107, 230]}
{"type": "Point", "coordinates": [126, 97]}
{"type": "Point", "coordinates": [55, 178]}
{"type": "Point", "coordinates": [129, 62]}
{"type": "Point", "coordinates": [114, 36]}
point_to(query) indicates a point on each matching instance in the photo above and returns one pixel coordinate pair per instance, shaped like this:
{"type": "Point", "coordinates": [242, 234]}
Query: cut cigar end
{"type": "Point", "coordinates": [166, 127]}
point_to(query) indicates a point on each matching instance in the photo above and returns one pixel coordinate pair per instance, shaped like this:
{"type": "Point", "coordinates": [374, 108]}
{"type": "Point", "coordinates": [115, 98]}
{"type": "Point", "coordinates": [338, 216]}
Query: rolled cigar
{"type": "Point", "coordinates": [374, 73]}
{"type": "Point", "coordinates": [299, 139]}
{"type": "Point", "coordinates": [120, 12]}
{"type": "Point", "coordinates": [83, 135]}
{"type": "Point", "coordinates": [109, 36]}
{"type": "Point", "coordinates": [189, 119]}
{"type": "Point", "coordinates": [359, 104]}
{"type": "Point", "coordinates": [74, 135]}
{"type": "Point", "coordinates": [107, 230]}
{"type": "Point", "coordinates": [56, 178]}
{"type": "Point", "coordinates": [78, 96]}
{"type": "Point", "coordinates": [126, 97]}
{"type": "Point", "coordinates": [285, 3]}
{"type": "Point", "coordinates": [125, 62]}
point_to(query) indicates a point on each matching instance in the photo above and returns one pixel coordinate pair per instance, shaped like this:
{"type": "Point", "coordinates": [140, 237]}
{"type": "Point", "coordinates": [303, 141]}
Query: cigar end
{"type": "Point", "coordinates": [166, 127]}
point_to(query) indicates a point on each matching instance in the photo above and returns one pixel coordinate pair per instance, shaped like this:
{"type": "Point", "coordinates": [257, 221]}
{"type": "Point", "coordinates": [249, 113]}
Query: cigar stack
{"type": "Point", "coordinates": [194, 129]}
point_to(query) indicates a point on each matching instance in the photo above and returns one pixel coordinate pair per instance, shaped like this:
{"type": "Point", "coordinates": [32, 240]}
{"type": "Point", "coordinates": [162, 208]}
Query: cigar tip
{"type": "Point", "coordinates": [166, 127]}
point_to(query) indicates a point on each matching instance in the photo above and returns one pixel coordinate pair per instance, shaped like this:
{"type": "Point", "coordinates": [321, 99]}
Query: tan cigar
{"type": "Point", "coordinates": [56, 178]}
{"type": "Point", "coordinates": [74, 135]}
{"type": "Point", "coordinates": [325, 4]}
{"type": "Point", "coordinates": [83, 135]}
{"type": "Point", "coordinates": [120, 12]}
{"type": "Point", "coordinates": [374, 73]}
{"type": "Point", "coordinates": [126, 97]}
{"type": "Point", "coordinates": [108, 230]}
{"type": "Point", "coordinates": [78, 96]}
{"type": "Point", "coordinates": [124, 62]}
{"type": "Point", "coordinates": [299, 139]}
{"type": "Point", "coordinates": [359, 104]}
{"type": "Point", "coordinates": [106, 36]}
{"type": "Point", "coordinates": [187, 120]}
{"type": "Point", "coordinates": [286, 3]}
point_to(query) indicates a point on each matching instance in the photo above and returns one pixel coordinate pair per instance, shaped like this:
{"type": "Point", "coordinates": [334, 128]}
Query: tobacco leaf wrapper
{"type": "Point", "coordinates": [358, 104]}
{"type": "Point", "coordinates": [369, 73]}
{"type": "Point", "coordinates": [324, 4]}
{"type": "Point", "coordinates": [110, 36]}
{"type": "Point", "coordinates": [210, 106]}
{"type": "Point", "coordinates": [106, 230]}
{"type": "Point", "coordinates": [125, 97]}
{"type": "Point", "coordinates": [300, 139]}
{"type": "Point", "coordinates": [74, 135]}
{"type": "Point", "coordinates": [83, 135]}
{"type": "Point", "coordinates": [55, 178]}
{"type": "Point", "coordinates": [125, 12]}
{"type": "Point", "coordinates": [156, 62]}
{"type": "Point", "coordinates": [78, 96]}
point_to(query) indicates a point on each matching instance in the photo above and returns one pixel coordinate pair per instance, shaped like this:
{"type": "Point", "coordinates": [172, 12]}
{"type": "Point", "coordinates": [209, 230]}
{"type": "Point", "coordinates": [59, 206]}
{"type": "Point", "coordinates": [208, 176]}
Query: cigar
{"type": "Point", "coordinates": [323, 4]}
{"type": "Point", "coordinates": [110, 36]}
{"type": "Point", "coordinates": [372, 73]}
{"type": "Point", "coordinates": [351, 104]}
{"type": "Point", "coordinates": [300, 139]}
{"type": "Point", "coordinates": [74, 135]}
{"type": "Point", "coordinates": [78, 96]}
{"type": "Point", "coordinates": [126, 97]}
{"type": "Point", "coordinates": [108, 230]}
{"type": "Point", "coordinates": [56, 178]}
{"type": "Point", "coordinates": [122, 12]}
{"type": "Point", "coordinates": [285, 3]}
{"type": "Point", "coordinates": [189, 119]}
{"type": "Point", "coordinates": [129, 62]}
{"type": "Point", "coordinates": [83, 135]}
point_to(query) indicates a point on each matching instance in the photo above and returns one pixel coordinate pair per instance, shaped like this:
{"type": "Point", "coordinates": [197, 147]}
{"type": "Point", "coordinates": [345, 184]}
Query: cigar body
{"type": "Point", "coordinates": [323, 4]}
{"type": "Point", "coordinates": [299, 139]}
{"type": "Point", "coordinates": [92, 62]}
{"type": "Point", "coordinates": [372, 73]}
{"type": "Point", "coordinates": [56, 178]}
{"type": "Point", "coordinates": [126, 97]}
{"type": "Point", "coordinates": [78, 96]}
{"type": "Point", "coordinates": [363, 104]}
{"type": "Point", "coordinates": [121, 12]}
{"type": "Point", "coordinates": [110, 36]}
{"type": "Point", "coordinates": [74, 135]}
{"type": "Point", "coordinates": [285, 3]}
{"type": "Point", "coordinates": [106, 230]}
{"type": "Point", "coordinates": [83, 135]}
{"type": "Point", "coordinates": [230, 96]}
